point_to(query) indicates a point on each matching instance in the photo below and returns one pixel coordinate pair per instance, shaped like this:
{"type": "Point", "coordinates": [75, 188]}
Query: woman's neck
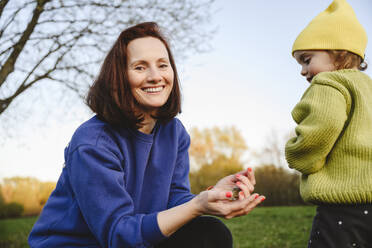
{"type": "Point", "coordinates": [148, 124]}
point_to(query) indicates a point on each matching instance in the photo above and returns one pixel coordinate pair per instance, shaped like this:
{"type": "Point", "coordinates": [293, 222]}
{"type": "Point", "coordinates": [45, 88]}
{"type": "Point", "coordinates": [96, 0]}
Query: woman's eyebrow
{"type": "Point", "coordinates": [163, 59]}
{"type": "Point", "coordinates": [137, 62]}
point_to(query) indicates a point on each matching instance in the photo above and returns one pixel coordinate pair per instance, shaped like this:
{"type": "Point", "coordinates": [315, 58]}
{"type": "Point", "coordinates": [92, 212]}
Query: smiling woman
{"type": "Point", "coordinates": [149, 72]}
{"type": "Point", "coordinates": [147, 89]}
{"type": "Point", "coordinates": [125, 181]}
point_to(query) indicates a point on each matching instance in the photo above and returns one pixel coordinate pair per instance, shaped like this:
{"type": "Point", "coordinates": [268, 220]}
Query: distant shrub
{"type": "Point", "coordinates": [209, 174]}
{"type": "Point", "coordinates": [279, 185]}
{"type": "Point", "coordinates": [11, 210]}
{"type": "Point", "coordinates": [27, 191]}
{"type": "Point", "coordinates": [1, 197]}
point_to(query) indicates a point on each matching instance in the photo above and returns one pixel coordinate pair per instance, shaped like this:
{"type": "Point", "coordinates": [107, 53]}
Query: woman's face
{"type": "Point", "coordinates": [150, 73]}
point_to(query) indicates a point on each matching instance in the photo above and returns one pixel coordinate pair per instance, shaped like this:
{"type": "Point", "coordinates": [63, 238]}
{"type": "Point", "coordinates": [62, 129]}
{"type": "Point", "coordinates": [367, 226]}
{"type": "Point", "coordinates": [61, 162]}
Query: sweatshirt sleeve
{"type": "Point", "coordinates": [97, 181]}
{"type": "Point", "coordinates": [180, 185]}
{"type": "Point", "coordinates": [321, 116]}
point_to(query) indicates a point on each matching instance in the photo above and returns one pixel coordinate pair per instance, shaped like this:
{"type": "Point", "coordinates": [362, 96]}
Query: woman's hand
{"type": "Point", "coordinates": [217, 202]}
{"type": "Point", "coordinates": [245, 180]}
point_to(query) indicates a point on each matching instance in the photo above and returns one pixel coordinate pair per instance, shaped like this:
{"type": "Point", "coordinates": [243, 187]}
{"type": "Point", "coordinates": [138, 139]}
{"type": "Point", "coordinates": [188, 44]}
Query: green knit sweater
{"type": "Point", "coordinates": [333, 144]}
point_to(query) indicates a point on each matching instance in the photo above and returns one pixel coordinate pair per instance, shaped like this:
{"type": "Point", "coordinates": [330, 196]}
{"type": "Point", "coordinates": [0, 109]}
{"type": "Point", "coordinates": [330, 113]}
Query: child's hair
{"type": "Point", "coordinates": [347, 60]}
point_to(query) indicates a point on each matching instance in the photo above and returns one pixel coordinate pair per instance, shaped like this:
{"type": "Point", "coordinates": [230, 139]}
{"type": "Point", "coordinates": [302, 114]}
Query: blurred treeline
{"type": "Point", "coordinates": [217, 152]}
{"type": "Point", "coordinates": [23, 196]}
{"type": "Point", "coordinates": [214, 153]}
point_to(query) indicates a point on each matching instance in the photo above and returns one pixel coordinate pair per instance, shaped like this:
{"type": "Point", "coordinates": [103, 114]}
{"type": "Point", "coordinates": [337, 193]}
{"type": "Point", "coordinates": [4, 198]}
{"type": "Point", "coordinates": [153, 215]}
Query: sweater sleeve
{"type": "Point", "coordinates": [321, 116]}
{"type": "Point", "coordinates": [97, 181]}
{"type": "Point", "coordinates": [180, 185]}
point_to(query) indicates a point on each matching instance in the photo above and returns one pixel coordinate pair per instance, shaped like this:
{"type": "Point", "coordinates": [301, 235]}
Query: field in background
{"type": "Point", "coordinates": [265, 227]}
{"type": "Point", "coordinates": [273, 227]}
{"type": "Point", "coordinates": [14, 232]}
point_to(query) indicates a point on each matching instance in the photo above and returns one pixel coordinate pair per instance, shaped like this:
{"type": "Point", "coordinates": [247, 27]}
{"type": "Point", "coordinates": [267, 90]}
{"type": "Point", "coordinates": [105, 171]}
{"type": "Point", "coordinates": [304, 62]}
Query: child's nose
{"type": "Point", "coordinates": [303, 71]}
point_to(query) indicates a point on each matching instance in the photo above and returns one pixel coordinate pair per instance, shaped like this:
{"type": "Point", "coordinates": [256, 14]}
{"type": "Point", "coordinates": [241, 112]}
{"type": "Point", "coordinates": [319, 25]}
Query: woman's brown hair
{"type": "Point", "coordinates": [110, 96]}
{"type": "Point", "coordinates": [347, 60]}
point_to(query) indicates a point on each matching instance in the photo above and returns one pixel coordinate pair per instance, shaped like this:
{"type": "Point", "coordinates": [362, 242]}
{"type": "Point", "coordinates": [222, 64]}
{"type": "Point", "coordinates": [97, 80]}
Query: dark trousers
{"type": "Point", "coordinates": [342, 226]}
{"type": "Point", "coordinates": [201, 232]}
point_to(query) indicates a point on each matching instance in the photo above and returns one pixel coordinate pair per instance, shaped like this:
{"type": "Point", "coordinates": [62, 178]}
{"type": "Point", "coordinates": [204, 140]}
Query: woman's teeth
{"type": "Point", "coordinates": [152, 90]}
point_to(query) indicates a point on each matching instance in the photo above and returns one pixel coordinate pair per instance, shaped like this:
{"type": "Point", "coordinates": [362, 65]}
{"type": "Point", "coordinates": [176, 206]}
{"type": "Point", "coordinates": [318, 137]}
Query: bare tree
{"type": "Point", "coordinates": [64, 41]}
{"type": "Point", "coordinates": [273, 151]}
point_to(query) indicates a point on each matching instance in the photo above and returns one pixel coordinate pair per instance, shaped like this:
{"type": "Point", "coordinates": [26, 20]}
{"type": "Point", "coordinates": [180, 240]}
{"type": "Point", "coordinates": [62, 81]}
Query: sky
{"type": "Point", "coordinates": [248, 80]}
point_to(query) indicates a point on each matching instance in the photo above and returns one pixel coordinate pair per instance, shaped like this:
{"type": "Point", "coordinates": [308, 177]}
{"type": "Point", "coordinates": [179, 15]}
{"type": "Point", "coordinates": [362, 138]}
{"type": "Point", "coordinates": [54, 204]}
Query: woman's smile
{"type": "Point", "coordinates": [153, 90]}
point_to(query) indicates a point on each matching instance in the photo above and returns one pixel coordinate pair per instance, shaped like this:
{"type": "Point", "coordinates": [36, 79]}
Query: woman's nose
{"type": "Point", "coordinates": [154, 75]}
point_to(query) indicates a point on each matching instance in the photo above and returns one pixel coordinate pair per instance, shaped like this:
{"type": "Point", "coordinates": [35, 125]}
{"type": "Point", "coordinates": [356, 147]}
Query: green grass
{"type": "Point", "coordinates": [273, 227]}
{"type": "Point", "coordinates": [265, 227]}
{"type": "Point", "coordinates": [14, 232]}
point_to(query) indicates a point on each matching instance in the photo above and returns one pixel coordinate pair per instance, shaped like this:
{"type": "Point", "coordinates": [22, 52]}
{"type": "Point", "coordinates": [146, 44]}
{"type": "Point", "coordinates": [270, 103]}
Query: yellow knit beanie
{"type": "Point", "coordinates": [336, 28]}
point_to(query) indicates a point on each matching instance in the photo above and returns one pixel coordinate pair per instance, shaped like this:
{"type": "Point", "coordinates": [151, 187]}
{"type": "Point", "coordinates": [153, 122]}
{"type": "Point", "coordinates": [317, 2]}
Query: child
{"type": "Point", "coordinates": [333, 144]}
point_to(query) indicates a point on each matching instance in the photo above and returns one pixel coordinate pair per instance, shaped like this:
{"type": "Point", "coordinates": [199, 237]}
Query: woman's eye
{"type": "Point", "coordinates": [163, 66]}
{"type": "Point", "coordinates": [139, 68]}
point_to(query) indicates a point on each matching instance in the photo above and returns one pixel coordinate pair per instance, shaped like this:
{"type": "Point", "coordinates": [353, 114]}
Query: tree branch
{"type": "Point", "coordinates": [4, 103]}
{"type": "Point", "coordinates": [2, 6]}
{"type": "Point", "coordinates": [82, 5]}
{"type": "Point", "coordinates": [12, 18]}
{"type": "Point", "coordinates": [70, 85]}
{"type": "Point", "coordinates": [23, 87]}
{"type": "Point", "coordinates": [8, 66]}
{"type": "Point", "coordinates": [38, 63]}
{"type": "Point", "coordinates": [60, 40]}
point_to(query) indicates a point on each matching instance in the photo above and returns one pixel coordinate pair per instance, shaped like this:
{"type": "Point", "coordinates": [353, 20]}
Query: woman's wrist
{"type": "Point", "coordinates": [172, 219]}
{"type": "Point", "coordinates": [195, 205]}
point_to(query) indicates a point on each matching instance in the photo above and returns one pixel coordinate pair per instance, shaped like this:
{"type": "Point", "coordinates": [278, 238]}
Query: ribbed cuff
{"type": "Point", "coordinates": [150, 229]}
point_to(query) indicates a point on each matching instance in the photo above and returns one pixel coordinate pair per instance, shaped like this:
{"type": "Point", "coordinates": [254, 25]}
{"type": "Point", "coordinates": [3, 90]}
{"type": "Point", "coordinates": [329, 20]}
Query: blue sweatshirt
{"type": "Point", "coordinates": [112, 186]}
